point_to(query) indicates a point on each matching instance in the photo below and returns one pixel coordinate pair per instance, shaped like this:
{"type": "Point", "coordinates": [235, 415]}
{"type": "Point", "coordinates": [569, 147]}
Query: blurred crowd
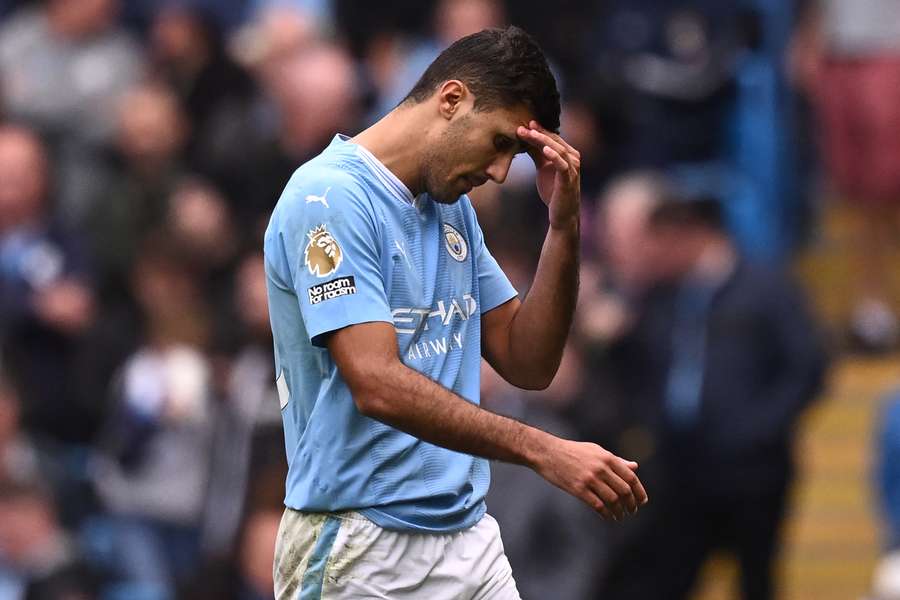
{"type": "Point", "coordinates": [143, 145]}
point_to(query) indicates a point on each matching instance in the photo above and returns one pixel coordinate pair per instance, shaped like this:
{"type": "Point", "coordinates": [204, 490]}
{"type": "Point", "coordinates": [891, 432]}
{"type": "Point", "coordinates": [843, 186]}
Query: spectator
{"type": "Point", "coordinates": [665, 72]}
{"type": "Point", "coordinates": [216, 94]}
{"type": "Point", "coordinates": [201, 229]}
{"type": "Point", "coordinates": [314, 94]}
{"type": "Point", "coordinates": [144, 172]}
{"type": "Point", "coordinates": [63, 66]}
{"type": "Point", "coordinates": [46, 300]}
{"type": "Point", "coordinates": [847, 57]}
{"type": "Point", "coordinates": [154, 469]}
{"type": "Point", "coordinates": [38, 559]}
{"type": "Point", "coordinates": [725, 370]}
{"type": "Point", "coordinates": [611, 287]}
{"type": "Point", "coordinates": [248, 440]}
{"type": "Point", "coordinates": [395, 65]}
{"type": "Point", "coordinates": [276, 32]}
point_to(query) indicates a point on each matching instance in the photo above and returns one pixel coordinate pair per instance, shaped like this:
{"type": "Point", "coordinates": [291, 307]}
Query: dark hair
{"type": "Point", "coordinates": [703, 212]}
{"type": "Point", "coordinates": [502, 68]}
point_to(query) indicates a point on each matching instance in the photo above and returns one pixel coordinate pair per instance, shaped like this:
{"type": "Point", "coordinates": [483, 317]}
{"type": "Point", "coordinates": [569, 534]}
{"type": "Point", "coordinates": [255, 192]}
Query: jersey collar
{"type": "Point", "coordinates": [387, 178]}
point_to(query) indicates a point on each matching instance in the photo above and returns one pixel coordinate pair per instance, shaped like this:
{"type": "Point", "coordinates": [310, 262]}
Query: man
{"type": "Point", "coordinates": [720, 362]}
{"type": "Point", "coordinates": [47, 304]}
{"type": "Point", "coordinates": [383, 299]}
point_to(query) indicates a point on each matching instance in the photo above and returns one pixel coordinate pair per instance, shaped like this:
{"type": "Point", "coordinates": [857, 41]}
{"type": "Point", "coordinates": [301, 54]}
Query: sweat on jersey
{"type": "Point", "coordinates": [347, 243]}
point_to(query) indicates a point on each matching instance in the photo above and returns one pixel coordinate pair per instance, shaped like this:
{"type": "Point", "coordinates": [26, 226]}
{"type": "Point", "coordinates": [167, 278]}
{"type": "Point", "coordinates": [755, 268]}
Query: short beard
{"type": "Point", "coordinates": [435, 163]}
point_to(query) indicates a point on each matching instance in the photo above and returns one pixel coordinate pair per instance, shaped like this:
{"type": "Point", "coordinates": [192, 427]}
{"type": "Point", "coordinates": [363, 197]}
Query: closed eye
{"type": "Point", "coordinates": [503, 144]}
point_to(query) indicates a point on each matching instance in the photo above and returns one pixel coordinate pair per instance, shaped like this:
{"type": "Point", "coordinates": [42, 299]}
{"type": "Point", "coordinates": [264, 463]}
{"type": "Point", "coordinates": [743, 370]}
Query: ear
{"type": "Point", "coordinates": [452, 95]}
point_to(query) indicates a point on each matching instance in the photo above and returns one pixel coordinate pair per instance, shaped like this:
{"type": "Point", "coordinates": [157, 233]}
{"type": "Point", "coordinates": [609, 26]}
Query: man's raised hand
{"type": "Point", "coordinates": [558, 173]}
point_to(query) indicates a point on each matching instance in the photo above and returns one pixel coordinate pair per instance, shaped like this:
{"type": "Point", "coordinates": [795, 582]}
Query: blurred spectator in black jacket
{"type": "Point", "coordinates": [46, 299]}
{"type": "Point", "coordinates": [187, 51]}
{"type": "Point", "coordinates": [724, 356]}
{"type": "Point", "coordinates": [664, 78]}
{"type": "Point", "coordinates": [611, 284]}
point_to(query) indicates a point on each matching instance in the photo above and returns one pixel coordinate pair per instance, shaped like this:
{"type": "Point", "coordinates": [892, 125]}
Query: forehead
{"type": "Point", "coordinates": [505, 118]}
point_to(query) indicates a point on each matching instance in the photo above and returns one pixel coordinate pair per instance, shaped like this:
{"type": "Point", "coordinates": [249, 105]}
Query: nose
{"type": "Point", "coordinates": [499, 169]}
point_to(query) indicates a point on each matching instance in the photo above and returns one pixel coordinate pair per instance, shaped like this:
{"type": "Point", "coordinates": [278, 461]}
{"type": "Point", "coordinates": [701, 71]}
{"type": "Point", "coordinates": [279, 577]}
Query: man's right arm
{"type": "Point", "coordinates": [384, 389]}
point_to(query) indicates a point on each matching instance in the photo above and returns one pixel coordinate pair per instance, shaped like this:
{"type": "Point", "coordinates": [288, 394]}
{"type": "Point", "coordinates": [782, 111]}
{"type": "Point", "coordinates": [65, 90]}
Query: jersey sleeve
{"type": "Point", "coordinates": [329, 235]}
{"type": "Point", "coordinates": [494, 287]}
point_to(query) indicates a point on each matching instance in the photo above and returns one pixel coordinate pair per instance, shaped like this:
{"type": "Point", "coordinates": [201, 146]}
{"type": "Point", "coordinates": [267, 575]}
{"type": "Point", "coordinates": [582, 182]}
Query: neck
{"type": "Point", "coordinates": [399, 141]}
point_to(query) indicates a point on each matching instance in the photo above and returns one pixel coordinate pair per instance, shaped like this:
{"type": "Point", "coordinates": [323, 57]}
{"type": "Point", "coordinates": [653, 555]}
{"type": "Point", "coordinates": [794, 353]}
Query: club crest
{"type": "Point", "coordinates": [323, 254]}
{"type": "Point", "coordinates": [456, 243]}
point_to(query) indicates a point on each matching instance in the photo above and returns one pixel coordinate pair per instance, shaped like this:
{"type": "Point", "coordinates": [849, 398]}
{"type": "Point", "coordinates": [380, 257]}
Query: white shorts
{"type": "Point", "coordinates": [345, 556]}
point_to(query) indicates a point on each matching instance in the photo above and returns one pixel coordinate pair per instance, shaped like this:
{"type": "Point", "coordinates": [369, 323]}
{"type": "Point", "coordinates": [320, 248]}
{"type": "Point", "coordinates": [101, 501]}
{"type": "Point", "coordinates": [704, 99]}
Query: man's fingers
{"type": "Point", "coordinates": [554, 157]}
{"type": "Point", "coordinates": [630, 480]}
{"type": "Point", "coordinates": [625, 470]}
{"type": "Point", "coordinates": [605, 512]}
{"type": "Point", "coordinates": [622, 489]}
{"type": "Point", "coordinates": [598, 504]}
{"type": "Point", "coordinates": [539, 139]}
{"type": "Point", "coordinates": [558, 138]}
{"type": "Point", "coordinates": [611, 498]}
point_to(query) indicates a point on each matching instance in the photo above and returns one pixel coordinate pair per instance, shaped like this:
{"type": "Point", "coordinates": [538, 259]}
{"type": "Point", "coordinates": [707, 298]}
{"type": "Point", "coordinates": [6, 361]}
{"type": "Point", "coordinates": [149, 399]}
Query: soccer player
{"type": "Point", "coordinates": [383, 298]}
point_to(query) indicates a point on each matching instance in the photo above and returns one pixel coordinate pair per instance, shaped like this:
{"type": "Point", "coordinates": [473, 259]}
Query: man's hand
{"type": "Point", "coordinates": [558, 173]}
{"type": "Point", "coordinates": [602, 480]}
{"type": "Point", "coordinates": [385, 389]}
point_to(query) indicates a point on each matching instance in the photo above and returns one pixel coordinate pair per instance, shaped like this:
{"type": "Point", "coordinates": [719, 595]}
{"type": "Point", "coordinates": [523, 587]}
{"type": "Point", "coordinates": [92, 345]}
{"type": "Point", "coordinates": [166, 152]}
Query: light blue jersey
{"type": "Point", "coordinates": [347, 244]}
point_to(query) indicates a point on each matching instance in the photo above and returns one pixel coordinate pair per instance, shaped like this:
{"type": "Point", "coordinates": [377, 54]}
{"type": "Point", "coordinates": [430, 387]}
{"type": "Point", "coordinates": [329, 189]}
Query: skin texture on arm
{"type": "Point", "coordinates": [524, 341]}
{"type": "Point", "coordinates": [383, 388]}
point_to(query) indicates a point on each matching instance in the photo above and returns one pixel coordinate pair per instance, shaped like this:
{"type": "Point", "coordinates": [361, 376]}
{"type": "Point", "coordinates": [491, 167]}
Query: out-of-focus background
{"type": "Point", "coordinates": [736, 332]}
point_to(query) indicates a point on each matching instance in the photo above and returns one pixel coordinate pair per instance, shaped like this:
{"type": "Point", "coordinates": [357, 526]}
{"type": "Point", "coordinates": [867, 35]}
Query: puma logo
{"type": "Point", "coordinates": [321, 199]}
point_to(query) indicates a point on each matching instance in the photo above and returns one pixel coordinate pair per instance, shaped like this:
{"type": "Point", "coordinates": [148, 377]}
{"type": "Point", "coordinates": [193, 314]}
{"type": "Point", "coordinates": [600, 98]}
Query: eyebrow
{"type": "Point", "coordinates": [520, 145]}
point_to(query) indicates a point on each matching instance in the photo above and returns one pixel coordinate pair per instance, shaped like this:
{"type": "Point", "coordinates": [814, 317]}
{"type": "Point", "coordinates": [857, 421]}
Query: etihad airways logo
{"type": "Point", "coordinates": [411, 320]}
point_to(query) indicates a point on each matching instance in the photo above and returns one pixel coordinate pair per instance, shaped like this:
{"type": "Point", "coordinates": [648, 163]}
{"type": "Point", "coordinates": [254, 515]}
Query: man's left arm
{"type": "Point", "coordinates": [524, 340]}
